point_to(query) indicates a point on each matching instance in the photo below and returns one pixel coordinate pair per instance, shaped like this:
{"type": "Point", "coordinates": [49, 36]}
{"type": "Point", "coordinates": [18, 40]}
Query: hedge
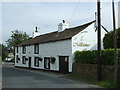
{"type": "Point", "coordinates": [90, 57]}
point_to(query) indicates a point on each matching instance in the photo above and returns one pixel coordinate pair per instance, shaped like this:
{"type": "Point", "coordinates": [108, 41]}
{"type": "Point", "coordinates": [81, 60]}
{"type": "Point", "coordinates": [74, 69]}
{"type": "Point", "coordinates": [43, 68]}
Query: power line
{"type": "Point", "coordinates": [74, 11]}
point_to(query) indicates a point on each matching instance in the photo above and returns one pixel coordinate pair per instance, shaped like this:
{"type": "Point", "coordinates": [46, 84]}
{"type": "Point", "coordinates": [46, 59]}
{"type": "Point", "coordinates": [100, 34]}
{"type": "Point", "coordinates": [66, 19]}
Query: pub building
{"type": "Point", "coordinates": [55, 51]}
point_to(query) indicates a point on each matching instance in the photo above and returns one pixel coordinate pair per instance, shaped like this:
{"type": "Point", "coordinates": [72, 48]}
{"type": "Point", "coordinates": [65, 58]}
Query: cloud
{"type": "Point", "coordinates": [47, 15]}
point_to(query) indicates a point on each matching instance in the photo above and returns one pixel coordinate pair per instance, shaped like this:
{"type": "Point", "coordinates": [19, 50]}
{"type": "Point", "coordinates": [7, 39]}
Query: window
{"type": "Point", "coordinates": [24, 49]}
{"type": "Point", "coordinates": [36, 62]}
{"type": "Point", "coordinates": [47, 62]}
{"type": "Point", "coordinates": [36, 48]}
{"type": "Point", "coordinates": [23, 60]}
{"type": "Point", "coordinates": [17, 59]}
{"type": "Point", "coordinates": [17, 49]}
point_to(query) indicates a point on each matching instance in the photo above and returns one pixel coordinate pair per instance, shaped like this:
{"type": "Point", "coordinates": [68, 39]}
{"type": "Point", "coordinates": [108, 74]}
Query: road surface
{"type": "Point", "coordinates": [23, 78]}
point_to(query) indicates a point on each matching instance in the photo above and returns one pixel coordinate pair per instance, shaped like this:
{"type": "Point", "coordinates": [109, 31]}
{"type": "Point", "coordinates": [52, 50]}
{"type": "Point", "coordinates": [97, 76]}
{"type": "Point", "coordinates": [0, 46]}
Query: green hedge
{"type": "Point", "coordinates": [90, 57]}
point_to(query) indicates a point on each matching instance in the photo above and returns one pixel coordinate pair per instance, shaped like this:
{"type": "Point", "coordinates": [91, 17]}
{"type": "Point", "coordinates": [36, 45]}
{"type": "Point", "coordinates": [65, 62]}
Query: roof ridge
{"type": "Point", "coordinates": [83, 24]}
{"type": "Point", "coordinates": [56, 36]}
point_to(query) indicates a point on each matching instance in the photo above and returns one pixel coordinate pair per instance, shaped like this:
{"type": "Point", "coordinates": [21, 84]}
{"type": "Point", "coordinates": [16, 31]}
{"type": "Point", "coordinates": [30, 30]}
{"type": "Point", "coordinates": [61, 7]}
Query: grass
{"type": "Point", "coordinates": [92, 80]}
{"type": "Point", "coordinates": [84, 78]}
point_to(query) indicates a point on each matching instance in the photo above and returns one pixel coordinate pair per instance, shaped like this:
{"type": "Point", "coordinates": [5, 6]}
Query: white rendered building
{"type": "Point", "coordinates": [55, 51]}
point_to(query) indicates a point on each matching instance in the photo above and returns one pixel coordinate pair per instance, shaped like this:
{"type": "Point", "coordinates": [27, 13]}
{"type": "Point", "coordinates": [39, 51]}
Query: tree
{"type": "Point", "coordinates": [16, 38]}
{"type": "Point", "coordinates": [108, 40]}
{"type": "Point", "coordinates": [3, 52]}
{"type": "Point", "coordinates": [0, 50]}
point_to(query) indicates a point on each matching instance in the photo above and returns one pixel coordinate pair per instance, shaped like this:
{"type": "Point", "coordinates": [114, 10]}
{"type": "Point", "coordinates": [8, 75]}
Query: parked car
{"type": "Point", "coordinates": [8, 59]}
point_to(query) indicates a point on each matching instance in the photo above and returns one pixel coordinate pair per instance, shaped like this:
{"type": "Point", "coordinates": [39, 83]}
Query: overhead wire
{"type": "Point", "coordinates": [74, 11]}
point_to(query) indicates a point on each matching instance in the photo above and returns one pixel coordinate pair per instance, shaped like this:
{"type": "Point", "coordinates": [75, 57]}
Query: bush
{"type": "Point", "coordinates": [52, 60]}
{"type": "Point", "coordinates": [108, 40]}
{"type": "Point", "coordinates": [90, 57]}
{"type": "Point", "coordinates": [3, 52]}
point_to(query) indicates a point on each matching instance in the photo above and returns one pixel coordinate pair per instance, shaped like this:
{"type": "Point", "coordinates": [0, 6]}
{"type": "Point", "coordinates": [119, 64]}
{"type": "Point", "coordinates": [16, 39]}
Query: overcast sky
{"type": "Point", "coordinates": [25, 16]}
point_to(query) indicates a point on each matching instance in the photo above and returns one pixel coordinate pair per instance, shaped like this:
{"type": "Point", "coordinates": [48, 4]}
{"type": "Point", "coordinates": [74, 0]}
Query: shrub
{"type": "Point", "coordinates": [52, 60]}
{"type": "Point", "coordinates": [90, 57]}
{"type": "Point", "coordinates": [108, 40]}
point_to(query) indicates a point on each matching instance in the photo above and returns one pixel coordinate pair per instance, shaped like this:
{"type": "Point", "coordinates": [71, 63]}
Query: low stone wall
{"type": "Point", "coordinates": [91, 70]}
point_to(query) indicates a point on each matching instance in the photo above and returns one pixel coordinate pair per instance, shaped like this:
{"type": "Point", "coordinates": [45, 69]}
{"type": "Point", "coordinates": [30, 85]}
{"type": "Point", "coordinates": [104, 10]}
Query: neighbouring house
{"type": "Point", "coordinates": [55, 51]}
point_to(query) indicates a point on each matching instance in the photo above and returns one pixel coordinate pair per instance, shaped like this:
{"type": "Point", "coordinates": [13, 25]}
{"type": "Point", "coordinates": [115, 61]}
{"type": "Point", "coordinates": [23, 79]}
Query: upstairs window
{"type": "Point", "coordinates": [36, 48]}
{"type": "Point", "coordinates": [24, 49]}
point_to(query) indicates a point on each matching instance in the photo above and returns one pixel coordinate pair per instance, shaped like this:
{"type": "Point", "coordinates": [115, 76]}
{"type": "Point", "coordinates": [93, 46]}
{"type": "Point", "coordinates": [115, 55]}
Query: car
{"type": "Point", "coordinates": [8, 59]}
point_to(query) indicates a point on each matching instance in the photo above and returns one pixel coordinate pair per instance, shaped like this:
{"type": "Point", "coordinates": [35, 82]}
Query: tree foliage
{"type": "Point", "coordinates": [108, 40]}
{"type": "Point", "coordinates": [3, 52]}
{"type": "Point", "coordinates": [16, 38]}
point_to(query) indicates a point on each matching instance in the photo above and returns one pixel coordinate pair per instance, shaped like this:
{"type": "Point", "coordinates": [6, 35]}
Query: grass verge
{"type": "Point", "coordinates": [92, 80]}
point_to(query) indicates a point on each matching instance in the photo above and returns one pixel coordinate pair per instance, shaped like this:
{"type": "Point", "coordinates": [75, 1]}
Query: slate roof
{"type": "Point", "coordinates": [56, 36]}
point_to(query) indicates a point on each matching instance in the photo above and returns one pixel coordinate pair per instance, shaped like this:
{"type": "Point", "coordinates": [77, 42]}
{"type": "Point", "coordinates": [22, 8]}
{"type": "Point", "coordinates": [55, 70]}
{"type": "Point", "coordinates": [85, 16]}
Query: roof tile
{"type": "Point", "coordinates": [56, 36]}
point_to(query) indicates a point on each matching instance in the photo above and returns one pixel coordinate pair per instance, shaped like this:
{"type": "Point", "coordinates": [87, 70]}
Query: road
{"type": "Point", "coordinates": [23, 78]}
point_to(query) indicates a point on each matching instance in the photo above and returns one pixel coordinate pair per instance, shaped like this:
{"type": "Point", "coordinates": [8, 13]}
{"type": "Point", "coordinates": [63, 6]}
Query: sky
{"type": "Point", "coordinates": [25, 16]}
{"type": "Point", "coordinates": [119, 14]}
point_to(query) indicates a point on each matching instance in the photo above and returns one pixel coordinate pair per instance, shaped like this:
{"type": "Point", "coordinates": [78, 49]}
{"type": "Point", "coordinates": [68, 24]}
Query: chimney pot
{"type": "Point", "coordinates": [62, 26]}
{"type": "Point", "coordinates": [63, 21]}
{"type": "Point", "coordinates": [36, 33]}
{"type": "Point", "coordinates": [36, 30]}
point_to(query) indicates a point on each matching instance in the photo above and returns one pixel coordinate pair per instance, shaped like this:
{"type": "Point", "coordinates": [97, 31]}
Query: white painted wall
{"type": "Point", "coordinates": [35, 34]}
{"type": "Point", "coordinates": [62, 26]}
{"type": "Point", "coordinates": [55, 49]}
{"type": "Point", "coordinates": [20, 56]}
{"type": "Point", "coordinates": [89, 37]}
{"type": "Point", "coordinates": [61, 48]}
{"type": "Point", "coordinates": [51, 49]}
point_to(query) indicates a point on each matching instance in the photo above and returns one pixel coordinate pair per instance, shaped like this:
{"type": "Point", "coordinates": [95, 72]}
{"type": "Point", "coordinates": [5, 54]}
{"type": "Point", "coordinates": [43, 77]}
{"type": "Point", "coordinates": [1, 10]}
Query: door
{"type": "Point", "coordinates": [29, 63]}
{"type": "Point", "coordinates": [63, 64]}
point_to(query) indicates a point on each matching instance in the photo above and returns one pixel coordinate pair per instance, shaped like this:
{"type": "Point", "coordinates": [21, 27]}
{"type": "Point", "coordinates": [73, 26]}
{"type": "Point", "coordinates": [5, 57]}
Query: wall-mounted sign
{"type": "Point", "coordinates": [81, 38]}
{"type": "Point", "coordinates": [80, 44]}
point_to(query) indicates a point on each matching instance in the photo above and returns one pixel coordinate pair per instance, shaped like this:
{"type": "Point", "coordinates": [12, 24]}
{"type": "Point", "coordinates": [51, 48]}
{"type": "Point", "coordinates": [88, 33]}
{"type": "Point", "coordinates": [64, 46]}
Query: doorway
{"type": "Point", "coordinates": [29, 63]}
{"type": "Point", "coordinates": [64, 64]}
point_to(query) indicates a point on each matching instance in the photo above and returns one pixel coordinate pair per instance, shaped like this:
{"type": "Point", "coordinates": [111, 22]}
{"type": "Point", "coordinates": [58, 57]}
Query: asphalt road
{"type": "Point", "coordinates": [22, 78]}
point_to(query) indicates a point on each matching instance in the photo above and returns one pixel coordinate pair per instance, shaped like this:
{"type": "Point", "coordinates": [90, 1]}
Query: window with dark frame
{"type": "Point", "coordinates": [47, 62]}
{"type": "Point", "coordinates": [23, 60]}
{"type": "Point", "coordinates": [17, 58]}
{"type": "Point", "coordinates": [24, 49]}
{"type": "Point", "coordinates": [36, 61]}
{"type": "Point", "coordinates": [36, 48]}
{"type": "Point", "coordinates": [17, 49]}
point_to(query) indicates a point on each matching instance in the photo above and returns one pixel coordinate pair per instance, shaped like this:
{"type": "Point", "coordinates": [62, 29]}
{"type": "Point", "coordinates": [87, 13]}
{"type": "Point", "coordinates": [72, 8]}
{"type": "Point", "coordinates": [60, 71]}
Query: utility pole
{"type": "Point", "coordinates": [99, 61]}
{"type": "Point", "coordinates": [115, 44]}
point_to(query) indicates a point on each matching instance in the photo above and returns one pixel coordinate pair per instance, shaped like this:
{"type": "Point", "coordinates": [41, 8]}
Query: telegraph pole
{"type": "Point", "coordinates": [99, 61]}
{"type": "Point", "coordinates": [115, 44]}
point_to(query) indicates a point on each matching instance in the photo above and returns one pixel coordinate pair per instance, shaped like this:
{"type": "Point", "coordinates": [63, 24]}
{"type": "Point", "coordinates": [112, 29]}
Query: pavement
{"type": "Point", "coordinates": [22, 78]}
